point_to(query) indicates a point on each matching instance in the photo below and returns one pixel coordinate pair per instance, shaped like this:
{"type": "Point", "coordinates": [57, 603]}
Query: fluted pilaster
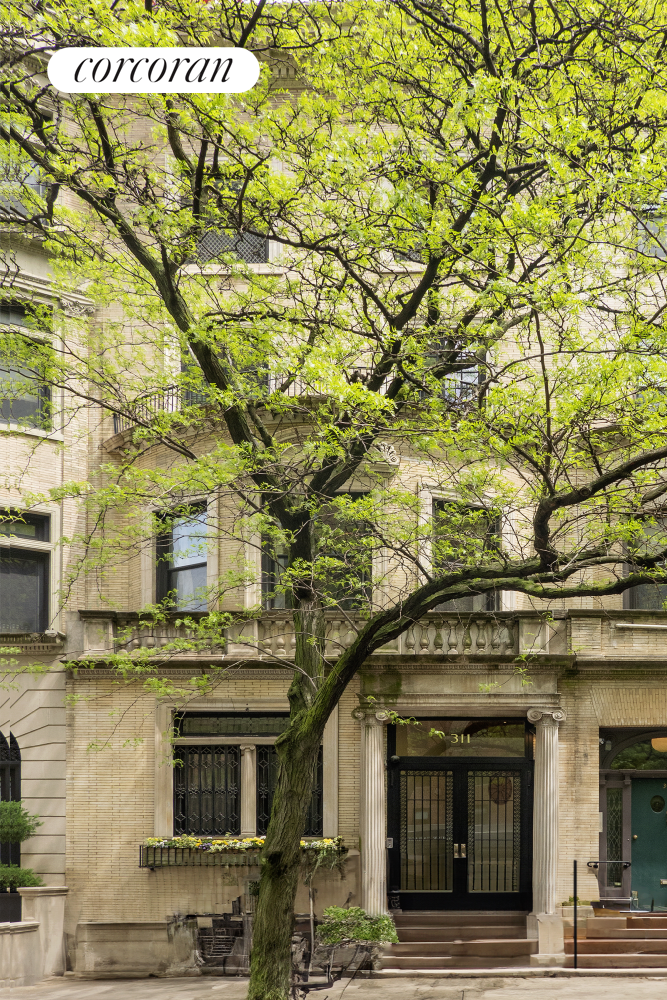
{"type": "Point", "coordinates": [545, 808]}
{"type": "Point", "coordinates": [373, 812]}
{"type": "Point", "coordinates": [248, 790]}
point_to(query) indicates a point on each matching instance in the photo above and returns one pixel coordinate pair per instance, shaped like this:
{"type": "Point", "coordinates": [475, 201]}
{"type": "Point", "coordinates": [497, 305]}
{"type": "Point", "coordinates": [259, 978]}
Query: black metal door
{"type": "Point", "coordinates": [461, 834]}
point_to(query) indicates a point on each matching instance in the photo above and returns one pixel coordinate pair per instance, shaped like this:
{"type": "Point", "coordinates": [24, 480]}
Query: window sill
{"type": "Point", "coordinates": [10, 427]}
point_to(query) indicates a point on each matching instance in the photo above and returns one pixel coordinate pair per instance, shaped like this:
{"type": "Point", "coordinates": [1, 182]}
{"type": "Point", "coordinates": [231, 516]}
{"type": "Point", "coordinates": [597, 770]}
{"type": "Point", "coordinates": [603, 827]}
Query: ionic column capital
{"type": "Point", "coordinates": [247, 748]}
{"type": "Point", "coordinates": [547, 716]}
{"type": "Point", "coordinates": [371, 716]}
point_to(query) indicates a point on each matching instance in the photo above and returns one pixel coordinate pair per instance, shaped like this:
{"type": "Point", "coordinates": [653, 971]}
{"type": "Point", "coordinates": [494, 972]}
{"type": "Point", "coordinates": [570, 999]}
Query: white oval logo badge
{"type": "Point", "coordinates": [153, 71]}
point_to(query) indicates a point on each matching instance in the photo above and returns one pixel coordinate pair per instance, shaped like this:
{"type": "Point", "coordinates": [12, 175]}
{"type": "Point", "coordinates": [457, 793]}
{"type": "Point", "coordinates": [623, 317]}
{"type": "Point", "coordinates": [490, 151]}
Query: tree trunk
{"type": "Point", "coordinates": [271, 963]}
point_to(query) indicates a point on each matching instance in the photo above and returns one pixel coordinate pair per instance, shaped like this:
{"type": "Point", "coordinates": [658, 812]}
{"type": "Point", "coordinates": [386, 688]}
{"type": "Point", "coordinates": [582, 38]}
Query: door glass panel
{"type": "Point", "coordinates": [494, 831]}
{"type": "Point", "coordinates": [461, 738]}
{"type": "Point", "coordinates": [426, 830]}
{"type": "Point", "coordinates": [614, 835]}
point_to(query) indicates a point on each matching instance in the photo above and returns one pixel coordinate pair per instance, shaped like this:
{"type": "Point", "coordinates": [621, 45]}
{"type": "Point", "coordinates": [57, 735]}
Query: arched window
{"type": "Point", "coordinates": [10, 789]}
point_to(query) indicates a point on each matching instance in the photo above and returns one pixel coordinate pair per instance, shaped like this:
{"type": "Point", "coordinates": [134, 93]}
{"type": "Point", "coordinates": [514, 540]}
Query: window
{"type": "Point", "coordinates": [342, 537]}
{"type": "Point", "coordinates": [653, 232]}
{"type": "Point", "coordinates": [274, 563]}
{"type": "Point", "coordinates": [267, 774]}
{"type": "Point", "coordinates": [649, 596]}
{"type": "Point", "coordinates": [22, 174]}
{"type": "Point", "coordinates": [474, 533]}
{"type": "Point", "coordinates": [24, 399]}
{"type": "Point", "coordinates": [24, 573]}
{"type": "Point", "coordinates": [207, 790]}
{"type": "Point", "coordinates": [208, 775]}
{"type": "Point", "coordinates": [250, 247]}
{"type": "Point", "coordinates": [345, 572]}
{"type": "Point", "coordinates": [182, 561]}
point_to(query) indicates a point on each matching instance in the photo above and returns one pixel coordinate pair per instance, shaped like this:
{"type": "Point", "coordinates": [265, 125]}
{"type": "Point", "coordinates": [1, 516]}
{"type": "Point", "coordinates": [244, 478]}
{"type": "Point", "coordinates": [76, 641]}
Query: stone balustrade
{"type": "Point", "coordinates": [583, 634]}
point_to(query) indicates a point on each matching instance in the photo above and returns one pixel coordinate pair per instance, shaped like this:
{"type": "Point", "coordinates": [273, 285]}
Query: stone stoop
{"type": "Point", "coordinates": [632, 942]}
{"type": "Point", "coordinates": [459, 940]}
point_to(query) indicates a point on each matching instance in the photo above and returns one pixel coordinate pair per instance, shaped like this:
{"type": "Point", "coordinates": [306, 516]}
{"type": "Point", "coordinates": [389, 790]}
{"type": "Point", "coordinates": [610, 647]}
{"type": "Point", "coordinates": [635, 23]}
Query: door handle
{"type": "Point", "coordinates": [460, 851]}
{"type": "Point", "coordinates": [463, 850]}
{"type": "Point", "coordinates": [456, 851]}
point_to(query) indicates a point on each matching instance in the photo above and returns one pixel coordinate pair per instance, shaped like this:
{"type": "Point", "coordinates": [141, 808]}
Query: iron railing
{"type": "Point", "coordinates": [172, 399]}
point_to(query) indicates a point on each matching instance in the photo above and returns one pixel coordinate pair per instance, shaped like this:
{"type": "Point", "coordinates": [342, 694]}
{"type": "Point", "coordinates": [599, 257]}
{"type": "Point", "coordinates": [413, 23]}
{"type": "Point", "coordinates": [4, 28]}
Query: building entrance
{"type": "Point", "coordinates": [460, 814]}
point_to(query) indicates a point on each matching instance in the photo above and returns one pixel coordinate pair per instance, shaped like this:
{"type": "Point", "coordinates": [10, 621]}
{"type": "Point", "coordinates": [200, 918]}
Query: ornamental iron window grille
{"type": "Point", "coordinates": [427, 855]}
{"type": "Point", "coordinates": [207, 790]}
{"type": "Point", "coordinates": [614, 873]}
{"type": "Point", "coordinates": [249, 247]}
{"type": "Point", "coordinates": [494, 831]}
{"type": "Point", "coordinates": [10, 790]}
{"type": "Point", "coordinates": [267, 773]}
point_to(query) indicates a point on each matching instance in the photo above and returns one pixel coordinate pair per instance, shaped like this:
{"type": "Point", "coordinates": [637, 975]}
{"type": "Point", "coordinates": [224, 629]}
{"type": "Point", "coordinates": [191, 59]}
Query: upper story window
{"type": "Point", "coordinates": [24, 572]}
{"type": "Point", "coordinates": [274, 563]}
{"type": "Point", "coordinates": [22, 175]}
{"type": "Point", "coordinates": [649, 596]}
{"type": "Point", "coordinates": [652, 229]}
{"type": "Point", "coordinates": [475, 529]}
{"type": "Point", "coordinates": [344, 559]}
{"type": "Point", "coordinates": [24, 398]}
{"type": "Point", "coordinates": [249, 247]}
{"type": "Point", "coordinates": [182, 561]}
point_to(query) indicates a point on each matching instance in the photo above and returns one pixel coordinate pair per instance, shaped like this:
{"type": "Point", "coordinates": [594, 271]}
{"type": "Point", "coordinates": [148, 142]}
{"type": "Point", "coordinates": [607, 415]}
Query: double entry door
{"type": "Point", "coordinates": [460, 834]}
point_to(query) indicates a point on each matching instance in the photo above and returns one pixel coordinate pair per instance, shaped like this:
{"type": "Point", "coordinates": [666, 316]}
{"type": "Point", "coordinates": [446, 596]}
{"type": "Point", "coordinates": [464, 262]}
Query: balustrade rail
{"type": "Point", "coordinates": [273, 635]}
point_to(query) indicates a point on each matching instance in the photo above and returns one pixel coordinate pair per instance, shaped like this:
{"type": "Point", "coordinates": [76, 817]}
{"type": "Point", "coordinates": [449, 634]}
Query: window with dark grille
{"type": "Point", "coordinates": [267, 772]}
{"type": "Point", "coordinates": [483, 533]}
{"type": "Point", "coordinates": [246, 724]}
{"type": "Point", "coordinates": [10, 790]}
{"type": "Point", "coordinates": [206, 790]}
{"type": "Point", "coordinates": [182, 561]}
{"type": "Point", "coordinates": [24, 573]}
{"type": "Point", "coordinates": [250, 247]}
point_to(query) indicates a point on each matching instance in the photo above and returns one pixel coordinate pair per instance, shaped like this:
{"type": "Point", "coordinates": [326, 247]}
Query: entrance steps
{"type": "Point", "coordinates": [621, 942]}
{"type": "Point", "coordinates": [459, 940]}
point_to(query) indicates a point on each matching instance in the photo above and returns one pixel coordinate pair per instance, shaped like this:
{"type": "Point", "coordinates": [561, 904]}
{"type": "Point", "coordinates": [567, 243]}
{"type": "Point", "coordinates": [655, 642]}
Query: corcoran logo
{"type": "Point", "coordinates": [153, 71]}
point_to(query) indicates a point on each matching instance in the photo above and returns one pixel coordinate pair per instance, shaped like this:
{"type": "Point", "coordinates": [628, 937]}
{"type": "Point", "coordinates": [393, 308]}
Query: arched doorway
{"type": "Point", "coordinates": [10, 790]}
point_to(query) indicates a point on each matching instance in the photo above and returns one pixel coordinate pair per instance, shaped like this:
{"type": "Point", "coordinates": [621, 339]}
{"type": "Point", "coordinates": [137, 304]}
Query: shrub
{"type": "Point", "coordinates": [354, 924]}
{"type": "Point", "coordinates": [16, 823]}
{"type": "Point", "coordinates": [13, 877]}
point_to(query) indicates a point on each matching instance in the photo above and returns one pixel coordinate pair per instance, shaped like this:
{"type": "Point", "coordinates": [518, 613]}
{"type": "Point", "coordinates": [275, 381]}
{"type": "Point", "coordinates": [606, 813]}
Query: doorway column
{"type": "Point", "coordinates": [373, 818]}
{"type": "Point", "coordinates": [543, 923]}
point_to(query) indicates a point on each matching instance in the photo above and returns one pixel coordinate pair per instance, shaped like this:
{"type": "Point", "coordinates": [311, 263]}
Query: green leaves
{"type": "Point", "coordinates": [354, 924]}
{"type": "Point", "coordinates": [17, 824]}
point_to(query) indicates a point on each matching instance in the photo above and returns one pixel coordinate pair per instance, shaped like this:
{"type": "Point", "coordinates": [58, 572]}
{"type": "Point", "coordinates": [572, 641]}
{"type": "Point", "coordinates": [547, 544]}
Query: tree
{"type": "Point", "coordinates": [465, 205]}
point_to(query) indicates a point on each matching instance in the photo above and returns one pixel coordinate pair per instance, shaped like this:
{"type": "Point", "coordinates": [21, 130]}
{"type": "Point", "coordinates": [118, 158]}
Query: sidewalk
{"type": "Point", "coordinates": [597, 987]}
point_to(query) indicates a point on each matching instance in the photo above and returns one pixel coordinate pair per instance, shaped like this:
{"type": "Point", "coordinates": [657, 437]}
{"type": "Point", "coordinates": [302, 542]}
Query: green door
{"type": "Point", "coordinates": [649, 842]}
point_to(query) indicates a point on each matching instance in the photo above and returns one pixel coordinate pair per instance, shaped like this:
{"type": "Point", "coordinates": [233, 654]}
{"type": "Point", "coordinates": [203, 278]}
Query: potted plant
{"type": "Point", "coordinates": [348, 940]}
{"type": "Point", "coordinates": [16, 825]}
